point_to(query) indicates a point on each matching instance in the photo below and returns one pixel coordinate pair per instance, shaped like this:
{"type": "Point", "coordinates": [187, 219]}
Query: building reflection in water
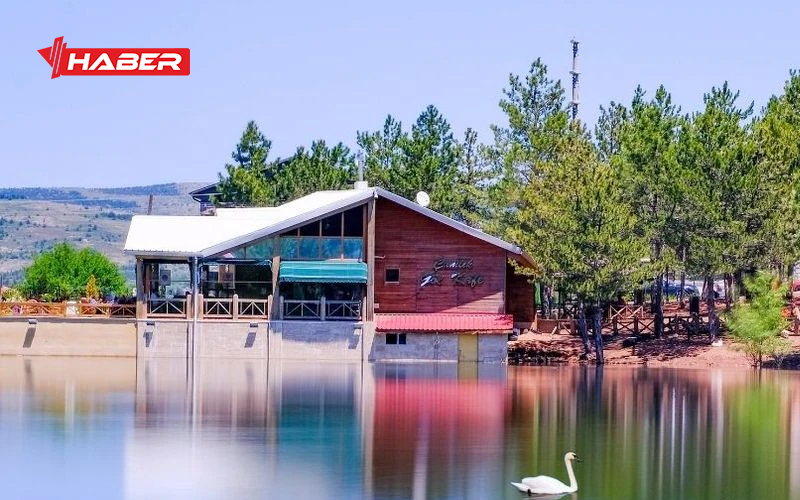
{"type": "Point", "coordinates": [240, 429]}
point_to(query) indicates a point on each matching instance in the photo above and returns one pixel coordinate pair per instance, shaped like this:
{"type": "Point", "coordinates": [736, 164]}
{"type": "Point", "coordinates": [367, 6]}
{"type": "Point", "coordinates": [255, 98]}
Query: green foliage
{"type": "Point", "coordinates": [63, 273]}
{"type": "Point", "coordinates": [316, 169]}
{"type": "Point", "coordinates": [757, 325]}
{"type": "Point", "coordinates": [252, 180]}
{"type": "Point", "coordinates": [248, 179]}
{"type": "Point", "coordinates": [426, 159]}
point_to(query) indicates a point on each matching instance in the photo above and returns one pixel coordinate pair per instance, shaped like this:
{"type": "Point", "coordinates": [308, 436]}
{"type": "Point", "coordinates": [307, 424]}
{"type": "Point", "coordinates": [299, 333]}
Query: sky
{"type": "Point", "coordinates": [308, 70]}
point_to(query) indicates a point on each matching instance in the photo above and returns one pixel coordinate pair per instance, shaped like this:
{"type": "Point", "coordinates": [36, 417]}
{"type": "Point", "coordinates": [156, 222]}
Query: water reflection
{"type": "Point", "coordinates": [240, 429]}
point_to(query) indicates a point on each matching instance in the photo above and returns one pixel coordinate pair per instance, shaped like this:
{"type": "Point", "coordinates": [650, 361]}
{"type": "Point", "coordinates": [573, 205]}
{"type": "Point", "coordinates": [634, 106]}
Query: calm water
{"type": "Point", "coordinates": [89, 428]}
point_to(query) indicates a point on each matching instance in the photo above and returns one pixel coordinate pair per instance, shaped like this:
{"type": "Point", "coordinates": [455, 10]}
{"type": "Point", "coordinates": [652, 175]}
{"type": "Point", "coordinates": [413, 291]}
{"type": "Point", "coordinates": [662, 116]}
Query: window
{"type": "Point", "coordinates": [354, 222]}
{"type": "Point", "coordinates": [393, 275]}
{"type": "Point", "coordinates": [310, 229]}
{"type": "Point", "coordinates": [332, 225]}
{"type": "Point", "coordinates": [396, 338]}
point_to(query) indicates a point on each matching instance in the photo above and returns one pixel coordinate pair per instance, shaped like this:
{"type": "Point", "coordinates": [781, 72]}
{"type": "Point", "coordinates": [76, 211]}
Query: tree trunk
{"type": "Point", "coordinates": [545, 300]}
{"type": "Point", "coordinates": [582, 328]}
{"type": "Point", "coordinates": [683, 276]}
{"type": "Point", "coordinates": [727, 290]}
{"type": "Point", "coordinates": [597, 326]}
{"type": "Point", "coordinates": [657, 306]}
{"type": "Point", "coordinates": [713, 323]}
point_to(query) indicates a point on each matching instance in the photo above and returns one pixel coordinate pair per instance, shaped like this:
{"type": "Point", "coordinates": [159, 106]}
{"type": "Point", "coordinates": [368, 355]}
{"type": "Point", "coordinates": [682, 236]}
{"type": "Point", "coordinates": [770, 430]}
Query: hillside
{"type": "Point", "coordinates": [34, 219]}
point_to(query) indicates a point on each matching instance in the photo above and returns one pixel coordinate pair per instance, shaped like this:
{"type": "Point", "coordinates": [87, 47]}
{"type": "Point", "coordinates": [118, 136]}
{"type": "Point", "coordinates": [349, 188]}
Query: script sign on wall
{"type": "Point", "coordinates": [457, 269]}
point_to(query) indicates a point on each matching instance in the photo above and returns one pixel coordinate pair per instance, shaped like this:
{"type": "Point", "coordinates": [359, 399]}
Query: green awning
{"type": "Point", "coordinates": [323, 272]}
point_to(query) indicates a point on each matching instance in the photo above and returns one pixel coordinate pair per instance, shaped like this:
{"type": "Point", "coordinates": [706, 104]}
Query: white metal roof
{"type": "Point", "coordinates": [204, 236]}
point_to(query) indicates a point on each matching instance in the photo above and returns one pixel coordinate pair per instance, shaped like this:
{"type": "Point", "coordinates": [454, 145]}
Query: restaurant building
{"type": "Point", "coordinates": [360, 274]}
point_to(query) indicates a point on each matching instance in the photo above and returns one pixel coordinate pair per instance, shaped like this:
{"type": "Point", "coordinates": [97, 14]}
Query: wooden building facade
{"type": "Point", "coordinates": [406, 274]}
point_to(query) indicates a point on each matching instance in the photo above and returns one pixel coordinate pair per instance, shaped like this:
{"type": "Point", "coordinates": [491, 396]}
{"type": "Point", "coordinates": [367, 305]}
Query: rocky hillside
{"type": "Point", "coordinates": [34, 219]}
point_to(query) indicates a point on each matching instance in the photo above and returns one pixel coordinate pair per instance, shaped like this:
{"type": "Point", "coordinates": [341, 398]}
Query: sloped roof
{"type": "Point", "coordinates": [204, 236]}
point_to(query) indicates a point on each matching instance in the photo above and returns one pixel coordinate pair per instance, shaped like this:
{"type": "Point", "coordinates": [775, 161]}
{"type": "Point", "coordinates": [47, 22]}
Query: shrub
{"type": "Point", "coordinates": [64, 273]}
{"type": "Point", "coordinates": [757, 325]}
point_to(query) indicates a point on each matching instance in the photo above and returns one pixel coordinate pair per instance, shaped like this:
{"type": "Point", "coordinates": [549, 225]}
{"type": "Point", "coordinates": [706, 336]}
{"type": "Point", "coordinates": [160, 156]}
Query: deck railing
{"type": "Point", "coordinates": [343, 309]}
{"type": "Point", "coordinates": [60, 309]}
{"type": "Point", "coordinates": [218, 308]}
{"type": "Point", "coordinates": [166, 307]}
{"type": "Point", "coordinates": [301, 309]}
{"type": "Point", "coordinates": [108, 310]}
{"type": "Point", "coordinates": [321, 309]}
{"type": "Point", "coordinates": [254, 308]}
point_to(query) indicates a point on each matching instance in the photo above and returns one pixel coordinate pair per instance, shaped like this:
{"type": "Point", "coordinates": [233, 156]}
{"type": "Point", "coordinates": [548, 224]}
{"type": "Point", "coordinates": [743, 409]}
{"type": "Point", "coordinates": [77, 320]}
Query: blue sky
{"type": "Point", "coordinates": [323, 70]}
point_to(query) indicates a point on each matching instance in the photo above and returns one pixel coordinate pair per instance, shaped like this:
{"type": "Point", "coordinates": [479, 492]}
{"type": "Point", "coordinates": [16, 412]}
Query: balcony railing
{"type": "Point", "coordinates": [166, 307]}
{"type": "Point", "coordinates": [83, 309]}
{"type": "Point", "coordinates": [321, 309]}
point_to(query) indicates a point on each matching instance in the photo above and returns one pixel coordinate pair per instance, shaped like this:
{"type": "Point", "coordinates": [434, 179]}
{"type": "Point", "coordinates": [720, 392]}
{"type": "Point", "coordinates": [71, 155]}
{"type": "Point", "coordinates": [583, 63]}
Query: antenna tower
{"type": "Point", "coordinates": [575, 74]}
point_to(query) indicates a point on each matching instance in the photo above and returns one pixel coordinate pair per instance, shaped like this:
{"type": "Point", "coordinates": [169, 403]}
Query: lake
{"type": "Point", "coordinates": [231, 429]}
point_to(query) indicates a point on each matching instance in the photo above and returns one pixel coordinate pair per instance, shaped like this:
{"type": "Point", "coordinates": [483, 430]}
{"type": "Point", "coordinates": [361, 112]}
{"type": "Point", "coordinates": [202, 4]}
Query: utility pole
{"type": "Point", "coordinates": [575, 73]}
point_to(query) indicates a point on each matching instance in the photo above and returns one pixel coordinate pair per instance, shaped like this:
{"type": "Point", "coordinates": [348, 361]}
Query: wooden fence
{"type": "Point", "coordinates": [101, 309]}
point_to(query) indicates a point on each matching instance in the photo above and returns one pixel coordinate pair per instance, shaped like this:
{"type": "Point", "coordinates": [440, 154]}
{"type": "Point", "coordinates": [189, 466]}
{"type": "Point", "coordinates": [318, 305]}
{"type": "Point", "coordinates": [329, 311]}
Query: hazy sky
{"type": "Point", "coordinates": [323, 70]}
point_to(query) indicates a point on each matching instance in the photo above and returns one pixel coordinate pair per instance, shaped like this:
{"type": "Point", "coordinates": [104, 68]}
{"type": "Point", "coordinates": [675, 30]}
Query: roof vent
{"type": "Point", "coordinates": [360, 183]}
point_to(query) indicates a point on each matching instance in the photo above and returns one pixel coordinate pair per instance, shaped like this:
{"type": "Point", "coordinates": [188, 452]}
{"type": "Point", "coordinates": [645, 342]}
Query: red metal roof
{"type": "Point", "coordinates": [445, 322]}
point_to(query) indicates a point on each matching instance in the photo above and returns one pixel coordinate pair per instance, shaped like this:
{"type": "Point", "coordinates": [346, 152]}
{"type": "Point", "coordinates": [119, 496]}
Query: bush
{"type": "Point", "coordinates": [757, 325]}
{"type": "Point", "coordinates": [63, 273]}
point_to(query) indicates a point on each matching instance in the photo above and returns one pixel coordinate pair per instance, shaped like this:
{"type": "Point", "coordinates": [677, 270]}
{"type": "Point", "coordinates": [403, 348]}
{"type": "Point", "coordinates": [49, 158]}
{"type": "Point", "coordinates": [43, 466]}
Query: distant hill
{"type": "Point", "coordinates": [34, 219]}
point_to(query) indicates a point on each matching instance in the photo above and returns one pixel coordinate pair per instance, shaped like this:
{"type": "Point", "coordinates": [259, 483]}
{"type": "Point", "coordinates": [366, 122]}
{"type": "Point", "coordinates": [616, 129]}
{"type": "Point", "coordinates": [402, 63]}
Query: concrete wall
{"type": "Point", "coordinates": [492, 348]}
{"type": "Point", "coordinates": [329, 340]}
{"type": "Point", "coordinates": [437, 347]}
{"type": "Point", "coordinates": [67, 337]}
{"type": "Point", "coordinates": [418, 347]}
{"type": "Point", "coordinates": [163, 338]}
{"type": "Point", "coordinates": [301, 340]}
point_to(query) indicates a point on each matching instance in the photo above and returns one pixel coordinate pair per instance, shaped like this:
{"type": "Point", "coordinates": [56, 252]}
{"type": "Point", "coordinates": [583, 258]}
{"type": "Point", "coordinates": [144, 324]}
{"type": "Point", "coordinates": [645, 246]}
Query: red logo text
{"type": "Point", "coordinates": [64, 61]}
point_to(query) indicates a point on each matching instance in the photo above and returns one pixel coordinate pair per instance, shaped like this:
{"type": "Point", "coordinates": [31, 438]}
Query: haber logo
{"type": "Point", "coordinates": [66, 61]}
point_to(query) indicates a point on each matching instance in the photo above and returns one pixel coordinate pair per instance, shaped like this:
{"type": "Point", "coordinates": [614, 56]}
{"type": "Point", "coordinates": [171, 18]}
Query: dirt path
{"type": "Point", "coordinates": [532, 348]}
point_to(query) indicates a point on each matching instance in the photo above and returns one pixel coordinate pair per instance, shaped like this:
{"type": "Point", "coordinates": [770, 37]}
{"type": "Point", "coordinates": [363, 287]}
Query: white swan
{"type": "Point", "coordinates": [546, 485]}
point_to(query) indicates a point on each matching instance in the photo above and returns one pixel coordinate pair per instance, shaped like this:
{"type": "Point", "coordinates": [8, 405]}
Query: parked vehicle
{"type": "Point", "coordinates": [673, 288]}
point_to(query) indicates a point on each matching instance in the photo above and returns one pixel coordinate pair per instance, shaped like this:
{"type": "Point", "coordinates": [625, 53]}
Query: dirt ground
{"type": "Point", "coordinates": [538, 348]}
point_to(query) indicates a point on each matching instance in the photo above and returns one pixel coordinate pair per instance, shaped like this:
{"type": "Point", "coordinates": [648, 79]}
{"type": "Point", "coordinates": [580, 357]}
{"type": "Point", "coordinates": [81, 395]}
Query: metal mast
{"type": "Point", "coordinates": [575, 73]}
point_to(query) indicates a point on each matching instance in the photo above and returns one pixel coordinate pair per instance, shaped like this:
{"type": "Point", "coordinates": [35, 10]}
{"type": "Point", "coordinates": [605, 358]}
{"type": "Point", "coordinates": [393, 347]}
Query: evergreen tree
{"type": "Point", "coordinates": [426, 159]}
{"type": "Point", "coordinates": [250, 178]}
{"type": "Point", "coordinates": [319, 168]}
{"type": "Point", "coordinates": [654, 183]}
{"type": "Point", "coordinates": [536, 125]}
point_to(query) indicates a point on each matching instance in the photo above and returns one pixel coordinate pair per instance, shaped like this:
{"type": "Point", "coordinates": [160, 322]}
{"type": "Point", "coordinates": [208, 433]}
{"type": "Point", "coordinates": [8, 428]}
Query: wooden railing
{"type": "Point", "coordinates": [30, 308]}
{"type": "Point", "coordinates": [166, 307]}
{"type": "Point", "coordinates": [254, 308]}
{"type": "Point", "coordinates": [100, 309]}
{"type": "Point", "coordinates": [107, 310]}
{"type": "Point", "coordinates": [301, 309]}
{"type": "Point", "coordinates": [218, 308]}
{"type": "Point", "coordinates": [321, 309]}
{"type": "Point", "coordinates": [343, 309]}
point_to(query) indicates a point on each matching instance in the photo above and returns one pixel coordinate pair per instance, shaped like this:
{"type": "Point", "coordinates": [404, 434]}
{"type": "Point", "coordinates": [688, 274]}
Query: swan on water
{"type": "Point", "coordinates": [546, 485]}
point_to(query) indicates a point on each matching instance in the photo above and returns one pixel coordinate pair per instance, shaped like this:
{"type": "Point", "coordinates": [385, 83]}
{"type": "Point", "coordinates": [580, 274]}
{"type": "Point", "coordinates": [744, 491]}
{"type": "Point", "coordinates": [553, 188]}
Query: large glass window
{"type": "Point", "coordinates": [289, 247]}
{"type": "Point", "coordinates": [248, 281]}
{"type": "Point", "coordinates": [169, 280]}
{"type": "Point", "coordinates": [309, 248]}
{"type": "Point", "coordinates": [338, 236]}
{"type": "Point", "coordinates": [332, 226]}
{"type": "Point", "coordinates": [354, 222]}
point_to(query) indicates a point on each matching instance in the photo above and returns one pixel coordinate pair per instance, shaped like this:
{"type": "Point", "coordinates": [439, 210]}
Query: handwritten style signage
{"type": "Point", "coordinates": [458, 276]}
